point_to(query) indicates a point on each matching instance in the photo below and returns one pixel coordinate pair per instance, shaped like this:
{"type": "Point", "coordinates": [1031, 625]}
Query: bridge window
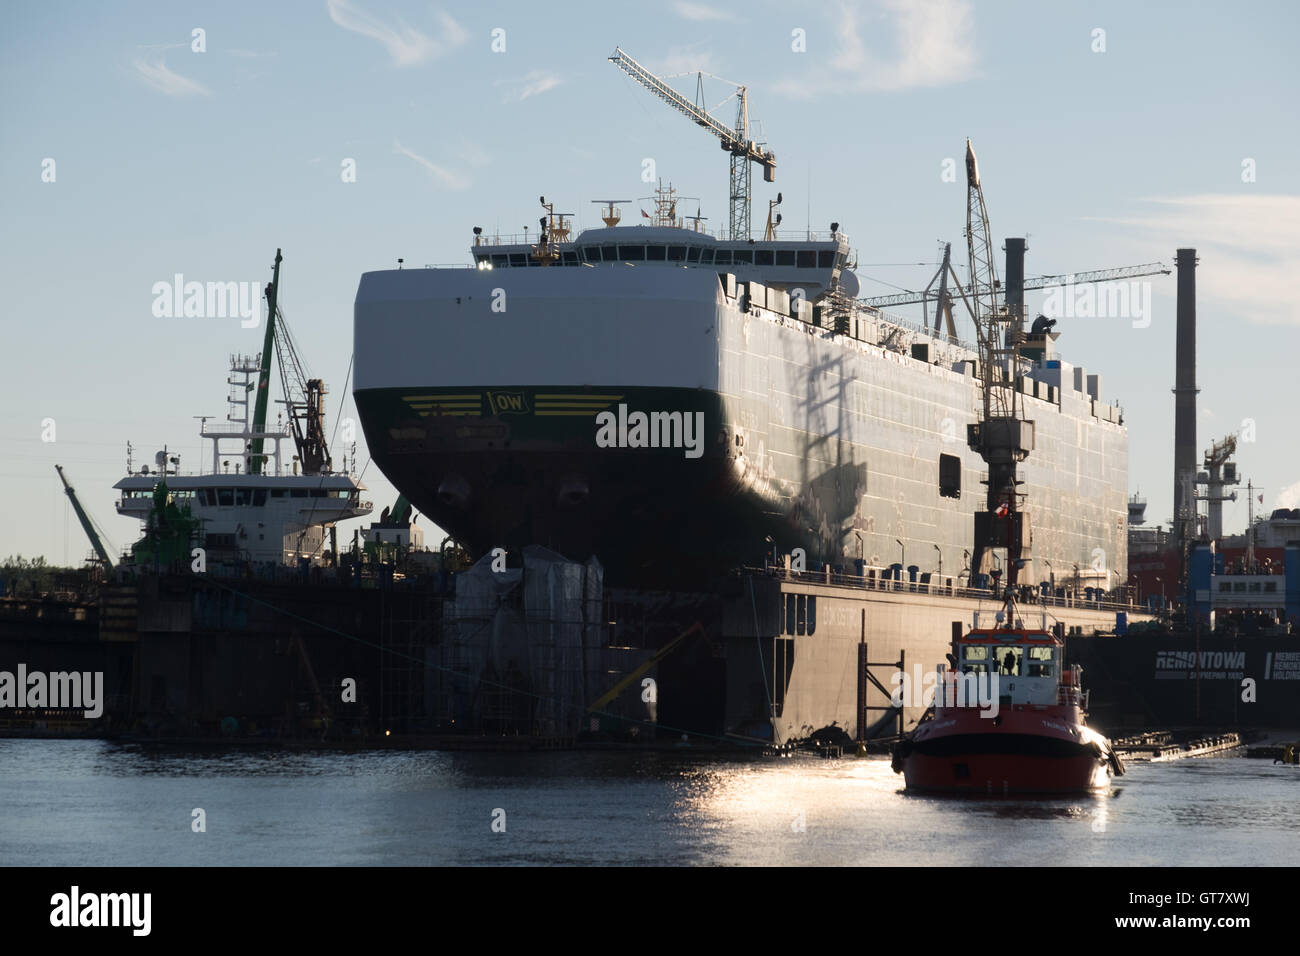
{"type": "Point", "coordinates": [298, 492]}
{"type": "Point", "coordinates": [656, 253]}
{"type": "Point", "coordinates": [1007, 660]}
{"type": "Point", "coordinates": [1270, 587]}
{"type": "Point", "coordinates": [950, 476]}
{"type": "Point", "coordinates": [826, 259]}
{"type": "Point", "coordinates": [694, 255]}
{"type": "Point", "coordinates": [706, 256]}
{"type": "Point", "coordinates": [259, 497]}
{"type": "Point", "coordinates": [763, 257]}
{"type": "Point", "coordinates": [1225, 586]}
{"type": "Point", "coordinates": [570, 258]}
{"type": "Point", "coordinates": [785, 257]}
{"type": "Point", "coordinates": [591, 253]}
{"type": "Point", "coordinates": [1042, 662]}
{"type": "Point", "coordinates": [807, 258]}
{"type": "Point", "coordinates": [632, 253]}
{"type": "Point", "coordinates": [790, 614]}
{"type": "Point", "coordinates": [225, 497]}
{"type": "Point", "coordinates": [277, 492]}
{"type": "Point", "coordinates": [518, 259]}
{"type": "Point", "coordinates": [500, 261]}
{"type": "Point", "coordinates": [242, 497]}
{"type": "Point", "coordinates": [676, 253]}
{"type": "Point", "coordinates": [610, 253]}
{"type": "Point", "coordinates": [722, 257]}
{"type": "Point", "coordinates": [745, 256]}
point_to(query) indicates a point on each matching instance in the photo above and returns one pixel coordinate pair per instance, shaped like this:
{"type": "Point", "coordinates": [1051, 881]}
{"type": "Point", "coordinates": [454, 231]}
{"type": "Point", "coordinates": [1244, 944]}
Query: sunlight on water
{"type": "Point", "coordinates": [87, 802]}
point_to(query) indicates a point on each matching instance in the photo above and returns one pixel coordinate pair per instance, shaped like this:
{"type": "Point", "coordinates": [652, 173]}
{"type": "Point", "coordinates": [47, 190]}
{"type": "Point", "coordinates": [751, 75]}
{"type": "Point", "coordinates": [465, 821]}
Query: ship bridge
{"type": "Point", "coordinates": [816, 263]}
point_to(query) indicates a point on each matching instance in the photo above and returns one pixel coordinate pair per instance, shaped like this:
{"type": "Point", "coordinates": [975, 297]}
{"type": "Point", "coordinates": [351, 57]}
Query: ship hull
{"type": "Point", "coordinates": [822, 442]}
{"type": "Point", "coordinates": [1042, 750]}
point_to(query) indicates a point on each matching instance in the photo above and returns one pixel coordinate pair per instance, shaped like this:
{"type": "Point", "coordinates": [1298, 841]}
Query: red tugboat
{"type": "Point", "coordinates": [1008, 720]}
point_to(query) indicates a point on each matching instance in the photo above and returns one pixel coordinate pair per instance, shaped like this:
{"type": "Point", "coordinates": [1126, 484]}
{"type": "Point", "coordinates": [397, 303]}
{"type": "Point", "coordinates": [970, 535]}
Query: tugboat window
{"type": "Point", "coordinates": [1042, 662]}
{"type": "Point", "coordinates": [1008, 660]}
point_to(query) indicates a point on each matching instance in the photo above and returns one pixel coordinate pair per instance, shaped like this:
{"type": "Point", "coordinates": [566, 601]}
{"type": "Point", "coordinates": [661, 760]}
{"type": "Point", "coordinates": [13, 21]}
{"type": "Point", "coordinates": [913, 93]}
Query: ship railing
{"type": "Point", "coordinates": [891, 578]}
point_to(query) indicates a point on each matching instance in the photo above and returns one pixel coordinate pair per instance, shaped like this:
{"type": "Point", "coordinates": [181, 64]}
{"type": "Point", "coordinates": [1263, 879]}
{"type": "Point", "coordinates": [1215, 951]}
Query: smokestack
{"type": "Point", "coordinates": [1015, 294]}
{"type": "Point", "coordinates": [1185, 392]}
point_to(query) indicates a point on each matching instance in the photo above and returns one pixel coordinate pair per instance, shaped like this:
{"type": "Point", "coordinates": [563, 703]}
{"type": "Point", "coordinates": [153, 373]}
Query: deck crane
{"type": "Point", "coordinates": [303, 396]}
{"type": "Point", "coordinates": [86, 524]}
{"type": "Point", "coordinates": [735, 140]}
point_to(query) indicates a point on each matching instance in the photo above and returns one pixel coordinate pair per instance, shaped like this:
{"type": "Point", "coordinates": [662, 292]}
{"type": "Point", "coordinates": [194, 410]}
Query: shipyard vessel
{"type": "Point", "coordinates": [254, 503]}
{"type": "Point", "coordinates": [1009, 718]}
{"type": "Point", "coordinates": [680, 405]}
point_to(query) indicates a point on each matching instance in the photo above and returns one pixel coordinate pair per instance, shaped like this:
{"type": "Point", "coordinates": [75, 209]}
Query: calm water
{"type": "Point", "coordinates": [90, 803]}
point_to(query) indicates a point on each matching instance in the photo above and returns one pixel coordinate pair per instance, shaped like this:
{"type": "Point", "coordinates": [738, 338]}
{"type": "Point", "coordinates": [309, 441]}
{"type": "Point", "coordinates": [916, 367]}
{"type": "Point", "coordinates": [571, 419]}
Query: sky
{"type": "Point", "coordinates": [143, 140]}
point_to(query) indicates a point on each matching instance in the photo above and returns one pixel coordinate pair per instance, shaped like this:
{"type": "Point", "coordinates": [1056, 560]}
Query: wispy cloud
{"type": "Point", "coordinates": [445, 177]}
{"type": "Point", "coordinates": [533, 83]}
{"type": "Point", "coordinates": [164, 80]}
{"type": "Point", "coordinates": [471, 153]}
{"type": "Point", "coordinates": [699, 12]}
{"type": "Point", "coordinates": [406, 45]}
{"type": "Point", "coordinates": [248, 54]}
{"type": "Point", "coordinates": [932, 47]}
{"type": "Point", "coordinates": [1248, 244]}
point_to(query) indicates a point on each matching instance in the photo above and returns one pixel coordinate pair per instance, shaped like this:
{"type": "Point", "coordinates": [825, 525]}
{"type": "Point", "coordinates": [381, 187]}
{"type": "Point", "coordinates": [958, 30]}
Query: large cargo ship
{"type": "Point", "coordinates": [680, 405]}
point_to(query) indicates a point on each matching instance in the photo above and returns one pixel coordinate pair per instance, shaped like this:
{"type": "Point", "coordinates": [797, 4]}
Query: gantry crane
{"type": "Point", "coordinates": [86, 524]}
{"type": "Point", "coordinates": [735, 140]}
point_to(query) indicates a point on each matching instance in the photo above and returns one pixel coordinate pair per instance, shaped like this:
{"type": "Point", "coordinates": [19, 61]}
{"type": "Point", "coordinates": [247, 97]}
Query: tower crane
{"type": "Point", "coordinates": [735, 140]}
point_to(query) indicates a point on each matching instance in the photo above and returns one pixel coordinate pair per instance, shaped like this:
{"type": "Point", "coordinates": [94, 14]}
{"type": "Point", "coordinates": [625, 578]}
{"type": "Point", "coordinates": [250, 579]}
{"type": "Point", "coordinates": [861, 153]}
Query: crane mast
{"type": "Point", "coordinates": [736, 140]}
{"type": "Point", "coordinates": [1002, 437]}
{"type": "Point", "coordinates": [255, 457]}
